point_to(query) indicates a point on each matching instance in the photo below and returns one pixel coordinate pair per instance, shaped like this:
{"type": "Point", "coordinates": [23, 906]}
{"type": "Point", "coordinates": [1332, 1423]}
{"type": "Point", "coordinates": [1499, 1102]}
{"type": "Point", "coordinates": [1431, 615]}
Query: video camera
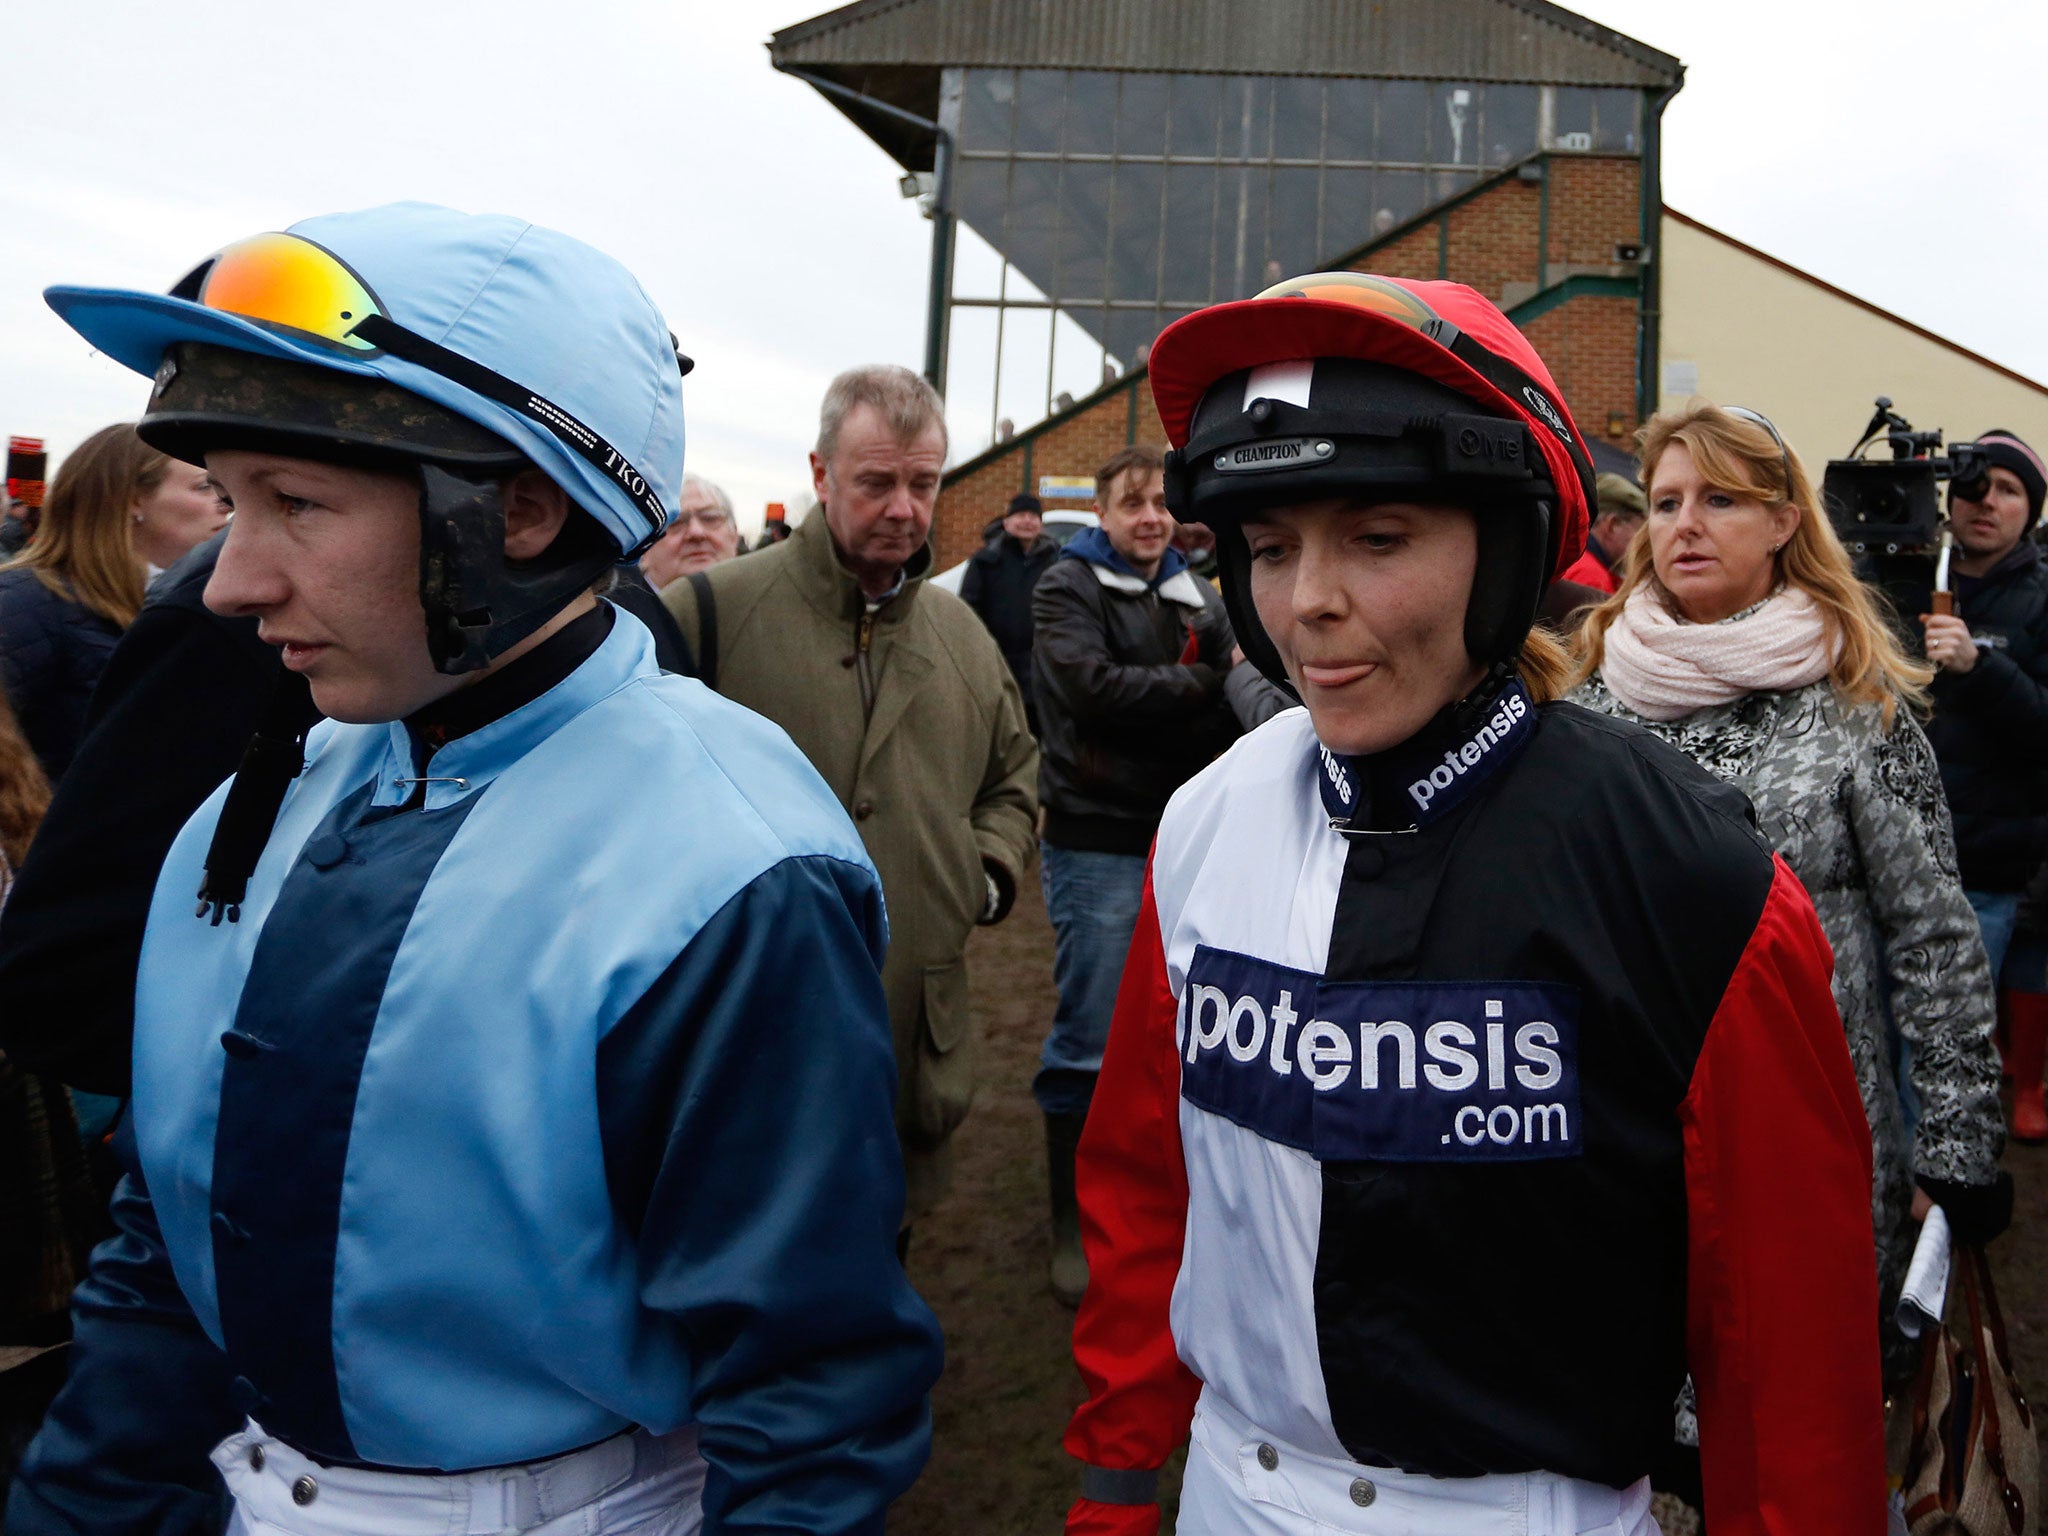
{"type": "Point", "coordinates": [1882, 507]}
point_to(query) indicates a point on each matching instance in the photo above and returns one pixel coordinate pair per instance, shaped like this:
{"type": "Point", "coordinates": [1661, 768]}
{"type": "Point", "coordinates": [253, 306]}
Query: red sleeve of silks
{"type": "Point", "coordinates": [1133, 1190]}
{"type": "Point", "coordinates": [1587, 571]}
{"type": "Point", "coordinates": [1782, 1301]}
{"type": "Point", "coordinates": [1089, 1518]}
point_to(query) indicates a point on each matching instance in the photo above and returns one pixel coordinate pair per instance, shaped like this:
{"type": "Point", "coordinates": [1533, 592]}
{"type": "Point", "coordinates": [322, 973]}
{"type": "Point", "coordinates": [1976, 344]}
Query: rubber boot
{"type": "Point", "coordinates": [2029, 1035]}
{"type": "Point", "coordinates": [1068, 1271]}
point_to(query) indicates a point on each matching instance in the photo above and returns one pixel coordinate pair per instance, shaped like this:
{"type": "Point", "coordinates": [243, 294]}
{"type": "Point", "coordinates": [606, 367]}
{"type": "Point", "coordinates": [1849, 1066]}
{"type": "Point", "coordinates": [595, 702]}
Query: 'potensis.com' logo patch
{"type": "Point", "coordinates": [1382, 1071]}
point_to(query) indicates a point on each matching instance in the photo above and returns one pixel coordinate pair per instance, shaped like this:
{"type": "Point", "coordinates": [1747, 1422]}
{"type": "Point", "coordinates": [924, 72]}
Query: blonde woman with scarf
{"type": "Point", "coordinates": [1740, 633]}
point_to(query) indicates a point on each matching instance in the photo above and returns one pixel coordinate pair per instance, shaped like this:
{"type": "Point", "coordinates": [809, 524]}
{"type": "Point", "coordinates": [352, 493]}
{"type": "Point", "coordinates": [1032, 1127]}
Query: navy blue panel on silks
{"type": "Point", "coordinates": [1383, 1071]}
{"type": "Point", "coordinates": [288, 1098]}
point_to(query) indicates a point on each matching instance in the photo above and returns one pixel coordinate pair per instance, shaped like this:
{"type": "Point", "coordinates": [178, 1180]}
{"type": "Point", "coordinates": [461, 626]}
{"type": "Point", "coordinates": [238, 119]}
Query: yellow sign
{"type": "Point", "coordinates": [1066, 488]}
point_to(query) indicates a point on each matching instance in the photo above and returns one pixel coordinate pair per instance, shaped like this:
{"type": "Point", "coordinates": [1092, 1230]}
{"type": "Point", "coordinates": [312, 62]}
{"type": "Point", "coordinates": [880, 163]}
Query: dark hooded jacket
{"type": "Point", "coordinates": [997, 585]}
{"type": "Point", "coordinates": [1129, 679]}
{"type": "Point", "coordinates": [1990, 724]}
{"type": "Point", "coordinates": [181, 697]}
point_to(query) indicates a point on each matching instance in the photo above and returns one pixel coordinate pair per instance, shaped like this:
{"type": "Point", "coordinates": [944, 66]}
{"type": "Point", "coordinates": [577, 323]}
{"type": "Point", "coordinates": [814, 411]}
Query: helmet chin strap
{"type": "Point", "coordinates": [1506, 589]}
{"type": "Point", "coordinates": [1474, 707]}
{"type": "Point", "coordinates": [1233, 565]}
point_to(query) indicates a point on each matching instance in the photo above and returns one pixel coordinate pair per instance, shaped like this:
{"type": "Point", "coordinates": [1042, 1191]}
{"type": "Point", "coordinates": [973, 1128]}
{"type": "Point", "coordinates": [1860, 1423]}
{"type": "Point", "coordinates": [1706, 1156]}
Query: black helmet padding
{"type": "Point", "coordinates": [219, 397]}
{"type": "Point", "coordinates": [1370, 432]}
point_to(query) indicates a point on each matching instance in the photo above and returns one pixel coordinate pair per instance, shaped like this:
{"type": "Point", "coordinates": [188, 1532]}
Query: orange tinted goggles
{"type": "Point", "coordinates": [283, 280]}
{"type": "Point", "coordinates": [1361, 290]}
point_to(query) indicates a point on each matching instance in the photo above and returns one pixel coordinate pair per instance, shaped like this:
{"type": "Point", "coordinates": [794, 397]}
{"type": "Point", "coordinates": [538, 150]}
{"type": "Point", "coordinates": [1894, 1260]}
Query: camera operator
{"type": "Point", "coordinates": [1990, 725]}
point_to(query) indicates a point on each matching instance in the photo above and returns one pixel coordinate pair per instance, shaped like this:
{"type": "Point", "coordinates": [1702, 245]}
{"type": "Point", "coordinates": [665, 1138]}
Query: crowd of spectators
{"type": "Point", "coordinates": [1036, 729]}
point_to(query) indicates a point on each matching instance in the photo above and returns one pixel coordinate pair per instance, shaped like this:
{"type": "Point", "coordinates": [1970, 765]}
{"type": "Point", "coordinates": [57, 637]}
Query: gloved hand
{"type": "Point", "coordinates": [1976, 1212]}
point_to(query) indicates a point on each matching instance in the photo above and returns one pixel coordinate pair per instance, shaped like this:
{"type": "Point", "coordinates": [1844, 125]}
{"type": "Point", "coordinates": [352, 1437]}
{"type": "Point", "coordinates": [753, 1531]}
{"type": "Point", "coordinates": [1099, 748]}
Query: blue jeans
{"type": "Point", "coordinates": [1093, 900]}
{"type": "Point", "coordinates": [1997, 913]}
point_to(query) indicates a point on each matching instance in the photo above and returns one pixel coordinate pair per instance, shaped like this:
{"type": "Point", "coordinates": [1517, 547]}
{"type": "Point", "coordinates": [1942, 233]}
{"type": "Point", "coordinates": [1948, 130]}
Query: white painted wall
{"type": "Point", "coordinates": [1812, 359]}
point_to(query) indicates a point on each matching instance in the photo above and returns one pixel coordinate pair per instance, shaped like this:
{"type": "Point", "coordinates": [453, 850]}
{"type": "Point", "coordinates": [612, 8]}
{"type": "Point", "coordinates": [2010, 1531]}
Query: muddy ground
{"type": "Point", "coordinates": [997, 1468]}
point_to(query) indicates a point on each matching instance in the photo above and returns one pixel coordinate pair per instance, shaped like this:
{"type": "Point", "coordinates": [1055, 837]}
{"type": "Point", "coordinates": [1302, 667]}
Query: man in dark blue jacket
{"type": "Point", "coordinates": [998, 582]}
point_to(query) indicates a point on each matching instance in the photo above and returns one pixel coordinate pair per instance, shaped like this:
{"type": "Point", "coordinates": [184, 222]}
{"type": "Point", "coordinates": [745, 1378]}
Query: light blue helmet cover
{"type": "Point", "coordinates": [548, 312]}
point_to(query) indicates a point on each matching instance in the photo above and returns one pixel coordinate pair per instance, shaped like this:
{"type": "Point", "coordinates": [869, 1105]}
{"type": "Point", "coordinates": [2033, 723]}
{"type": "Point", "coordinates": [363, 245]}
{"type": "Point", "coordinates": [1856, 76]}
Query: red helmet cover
{"type": "Point", "coordinates": [1289, 322]}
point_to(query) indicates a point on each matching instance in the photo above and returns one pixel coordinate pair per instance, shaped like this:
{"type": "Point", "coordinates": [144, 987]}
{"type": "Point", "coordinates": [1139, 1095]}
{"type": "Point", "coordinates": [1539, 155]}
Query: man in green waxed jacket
{"type": "Point", "coordinates": [895, 692]}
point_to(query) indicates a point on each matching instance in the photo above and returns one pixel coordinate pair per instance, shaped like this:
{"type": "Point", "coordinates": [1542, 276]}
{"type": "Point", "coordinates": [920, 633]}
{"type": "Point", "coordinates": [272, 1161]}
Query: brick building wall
{"type": "Point", "coordinates": [1492, 240]}
{"type": "Point", "coordinates": [1590, 345]}
{"type": "Point", "coordinates": [1072, 443]}
{"type": "Point", "coordinates": [1595, 202]}
{"type": "Point", "coordinates": [1415, 254]}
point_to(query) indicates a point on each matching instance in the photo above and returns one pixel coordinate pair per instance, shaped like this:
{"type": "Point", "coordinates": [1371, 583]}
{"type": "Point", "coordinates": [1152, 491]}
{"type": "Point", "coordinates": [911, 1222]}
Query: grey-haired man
{"type": "Point", "coordinates": [895, 692]}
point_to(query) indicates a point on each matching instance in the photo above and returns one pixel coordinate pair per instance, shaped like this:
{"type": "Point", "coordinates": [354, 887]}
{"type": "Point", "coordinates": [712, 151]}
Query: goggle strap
{"type": "Point", "coordinates": [1516, 385]}
{"type": "Point", "coordinates": [387, 334]}
{"type": "Point", "coordinates": [189, 286]}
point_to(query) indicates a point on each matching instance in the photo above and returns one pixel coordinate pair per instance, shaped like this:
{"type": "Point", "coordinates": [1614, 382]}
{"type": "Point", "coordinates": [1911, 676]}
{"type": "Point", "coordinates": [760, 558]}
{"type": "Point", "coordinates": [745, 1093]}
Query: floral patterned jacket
{"type": "Point", "coordinates": [1858, 812]}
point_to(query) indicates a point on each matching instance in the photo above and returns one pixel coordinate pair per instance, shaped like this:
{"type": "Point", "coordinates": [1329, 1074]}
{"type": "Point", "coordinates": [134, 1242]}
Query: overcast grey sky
{"type": "Point", "coordinates": [1900, 160]}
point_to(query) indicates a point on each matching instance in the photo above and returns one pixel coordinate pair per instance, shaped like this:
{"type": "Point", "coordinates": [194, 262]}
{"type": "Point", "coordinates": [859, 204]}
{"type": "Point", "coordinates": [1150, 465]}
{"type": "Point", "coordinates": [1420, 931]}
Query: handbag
{"type": "Point", "coordinates": [1974, 1467]}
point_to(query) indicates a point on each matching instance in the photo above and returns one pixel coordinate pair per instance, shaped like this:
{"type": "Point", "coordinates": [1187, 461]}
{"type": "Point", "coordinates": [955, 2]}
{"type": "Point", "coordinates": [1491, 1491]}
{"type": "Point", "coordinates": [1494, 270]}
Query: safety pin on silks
{"type": "Point", "coordinates": [1345, 829]}
{"type": "Point", "coordinates": [433, 780]}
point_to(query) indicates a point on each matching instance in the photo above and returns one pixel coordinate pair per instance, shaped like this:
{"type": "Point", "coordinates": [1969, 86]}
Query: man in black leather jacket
{"type": "Point", "coordinates": [1129, 656]}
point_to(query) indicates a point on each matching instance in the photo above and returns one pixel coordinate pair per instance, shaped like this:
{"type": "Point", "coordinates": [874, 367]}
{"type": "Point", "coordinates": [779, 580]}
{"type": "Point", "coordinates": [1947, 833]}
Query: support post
{"type": "Point", "coordinates": [1649, 343]}
{"type": "Point", "coordinates": [937, 312]}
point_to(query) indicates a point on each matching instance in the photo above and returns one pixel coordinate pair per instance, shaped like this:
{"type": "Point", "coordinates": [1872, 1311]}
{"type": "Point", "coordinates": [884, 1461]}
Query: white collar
{"type": "Point", "coordinates": [1181, 587]}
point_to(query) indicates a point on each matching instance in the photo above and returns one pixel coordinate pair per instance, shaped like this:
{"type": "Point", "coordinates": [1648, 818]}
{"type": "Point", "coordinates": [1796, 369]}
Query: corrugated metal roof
{"type": "Point", "coordinates": [914, 88]}
{"type": "Point", "coordinates": [1531, 41]}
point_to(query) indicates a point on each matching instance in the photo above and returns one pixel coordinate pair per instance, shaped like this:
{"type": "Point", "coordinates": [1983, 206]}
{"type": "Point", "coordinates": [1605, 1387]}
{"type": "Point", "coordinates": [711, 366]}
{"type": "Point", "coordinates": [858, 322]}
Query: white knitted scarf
{"type": "Point", "coordinates": [1664, 668]}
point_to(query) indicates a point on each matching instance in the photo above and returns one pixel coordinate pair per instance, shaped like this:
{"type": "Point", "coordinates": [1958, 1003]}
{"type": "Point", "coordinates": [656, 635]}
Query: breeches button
{"type": "Point", "coordinates": [303, 1490]}
{"type": "Point", "coordinates": [255, 1458]}
{"type": "Point", "coordinates": [1268, 1457]}
{"type": "Point", "coordinates": [1363, 1492]}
